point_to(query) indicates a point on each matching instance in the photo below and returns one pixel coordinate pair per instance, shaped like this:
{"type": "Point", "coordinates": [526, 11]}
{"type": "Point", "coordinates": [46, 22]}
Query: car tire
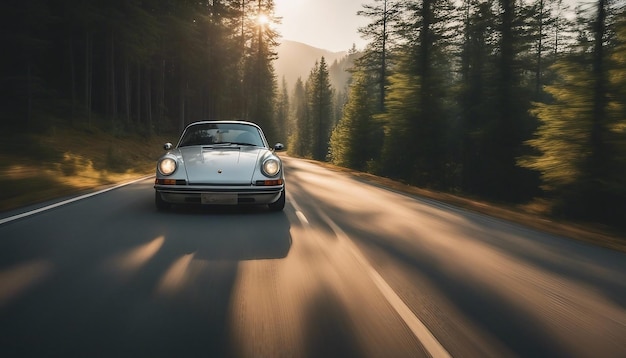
{"type": "Point", "coordinates": [279, 204]}
{"type": "Point", "coordinates": [161, 205]}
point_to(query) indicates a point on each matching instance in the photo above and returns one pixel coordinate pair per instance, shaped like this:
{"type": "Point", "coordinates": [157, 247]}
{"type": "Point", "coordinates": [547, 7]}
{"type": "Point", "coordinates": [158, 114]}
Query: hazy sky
{"type": "Point", "coordinates": [326, 24]}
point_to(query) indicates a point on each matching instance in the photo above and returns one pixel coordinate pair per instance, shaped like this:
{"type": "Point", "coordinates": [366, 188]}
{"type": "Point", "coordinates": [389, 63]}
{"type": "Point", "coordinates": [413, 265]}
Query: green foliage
{"type": "Point", "coordinates": [401, 143]}
{"type": "Point", "coordinates": [581, 141]}
{"type": "Point", "coordinates": [320, 108]}
{"type": "Point", "coordinates": [355, 142]}
{"type": "Point", "coordinates": [260, 86]}
{"type": "Point", "coordinates": [281, 113]}
{"type": "Point", "coordinates": [563, 136]}
{"type": "Point", "coordinates": [377, 59]}
{"type": "Point", "coordinates": [300, 139]}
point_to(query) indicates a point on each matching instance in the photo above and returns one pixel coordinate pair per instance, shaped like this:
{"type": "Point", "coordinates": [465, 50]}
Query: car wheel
{"type": "Point", "coordinates": [161, 205]}
{"type": "Point", "coordinates": [279, 204]}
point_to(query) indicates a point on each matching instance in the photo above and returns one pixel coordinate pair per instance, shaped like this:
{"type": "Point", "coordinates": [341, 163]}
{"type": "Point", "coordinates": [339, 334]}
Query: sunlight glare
{"type": "Point", "coordinates": [175, 276]}
{"type": "Point", "coordinates": [17, 279]}
{"type": "Point", "coordinates": [263, 20]}
{"type": "Point", "coordinates": [137, 257]}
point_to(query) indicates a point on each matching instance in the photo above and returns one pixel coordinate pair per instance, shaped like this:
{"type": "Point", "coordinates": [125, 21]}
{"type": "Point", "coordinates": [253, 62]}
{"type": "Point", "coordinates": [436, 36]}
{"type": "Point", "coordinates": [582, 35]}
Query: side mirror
{"type": "Point", "coordinates": [168, 146]}
{"type": "Point", "coordinates": [278, 147]}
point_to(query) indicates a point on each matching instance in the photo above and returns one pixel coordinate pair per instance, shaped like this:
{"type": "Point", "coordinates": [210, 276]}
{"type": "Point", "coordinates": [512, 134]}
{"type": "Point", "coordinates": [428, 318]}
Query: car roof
{"type": "Point", "coordinates": [223, 122]}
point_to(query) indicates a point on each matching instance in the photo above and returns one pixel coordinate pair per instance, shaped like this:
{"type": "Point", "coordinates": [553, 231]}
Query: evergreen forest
{"type": "Point", "coordinates": [510, 101]}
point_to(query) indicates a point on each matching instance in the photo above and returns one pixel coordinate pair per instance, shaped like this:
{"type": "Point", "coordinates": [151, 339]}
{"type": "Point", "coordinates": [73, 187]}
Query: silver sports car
{"type": "Point", "coordinates": [220, 163]}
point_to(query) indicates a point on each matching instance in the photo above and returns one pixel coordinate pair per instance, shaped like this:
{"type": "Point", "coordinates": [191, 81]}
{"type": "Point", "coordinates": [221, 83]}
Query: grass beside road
{"type": "Point", "coordinates": [65, 161]}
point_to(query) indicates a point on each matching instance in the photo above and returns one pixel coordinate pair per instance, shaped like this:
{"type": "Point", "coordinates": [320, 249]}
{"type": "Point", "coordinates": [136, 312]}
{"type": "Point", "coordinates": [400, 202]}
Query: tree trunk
{"type": "Point", "coordinates": [383, 62]}
{"type": "Point", "coordinates": [599, 158]}
{"type": "Point", "coordinates": [110, 96]}
{"type": "Point", "coordinates": [138, 94]}
{"type": "Point", "coordinates": [161, 95]}
{"type": "Point", "coordinates": [127, 91]}
{"type": "Point", "coordinates": [539, 54]}
{"type": "Point", "coordinates": [72, 79]}
{"type": "Point", "coordinates": [148, 93]}
{"type": "Point", "coordinates": [181, 99]}
{"type": "Point", "coordinates": [29, 93]}
{"type": "Point", "coordinates": [88, 76]}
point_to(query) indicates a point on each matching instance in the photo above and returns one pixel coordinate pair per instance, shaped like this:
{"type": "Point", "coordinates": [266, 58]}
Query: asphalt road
{"type": "Point", "coordinates": [347, 270]}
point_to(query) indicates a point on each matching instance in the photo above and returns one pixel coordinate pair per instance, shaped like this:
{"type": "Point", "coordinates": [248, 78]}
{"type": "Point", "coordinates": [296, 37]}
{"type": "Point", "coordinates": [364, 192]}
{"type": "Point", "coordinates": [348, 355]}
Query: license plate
{"type": "Point", "coordinates": [218, 199]}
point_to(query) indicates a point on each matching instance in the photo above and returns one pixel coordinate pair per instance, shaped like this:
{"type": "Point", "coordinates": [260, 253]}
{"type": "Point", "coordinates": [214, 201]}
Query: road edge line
{"type": "Point", "coordinates": [420, 331]}
{"type": "Point", "coordinates": [68, 201]}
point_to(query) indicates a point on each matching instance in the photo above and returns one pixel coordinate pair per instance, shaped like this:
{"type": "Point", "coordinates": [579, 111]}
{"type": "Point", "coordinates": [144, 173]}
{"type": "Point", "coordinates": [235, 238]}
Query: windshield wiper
{"type": "Point", "coordinates": [227, 144]}
{"type": "Point", "coordinates": [244, 143]}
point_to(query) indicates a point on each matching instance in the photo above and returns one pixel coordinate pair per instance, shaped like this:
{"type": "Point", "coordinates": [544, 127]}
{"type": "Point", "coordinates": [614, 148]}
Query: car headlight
{"type": "Point", "coordinates": [271, 167]}
{"type": "Point", "coordinates": [167, 166]}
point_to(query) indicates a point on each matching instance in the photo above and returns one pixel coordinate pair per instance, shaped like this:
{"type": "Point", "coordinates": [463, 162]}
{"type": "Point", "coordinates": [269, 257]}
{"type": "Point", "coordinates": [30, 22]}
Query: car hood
{"type": "Point", "coordinates": [227, 165]}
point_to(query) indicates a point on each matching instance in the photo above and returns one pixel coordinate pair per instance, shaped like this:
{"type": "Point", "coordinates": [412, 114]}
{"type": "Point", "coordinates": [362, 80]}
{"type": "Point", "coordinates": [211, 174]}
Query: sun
{"type": "Point", "coordinates": [263, 20]}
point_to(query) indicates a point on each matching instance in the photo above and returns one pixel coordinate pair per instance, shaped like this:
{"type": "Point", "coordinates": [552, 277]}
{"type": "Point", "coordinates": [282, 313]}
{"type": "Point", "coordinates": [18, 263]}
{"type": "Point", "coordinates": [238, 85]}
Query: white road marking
{"type": "Point", "coordinates": [299, 212]}
{"type": "Point", "coordinates": [417, 327]}
{"type": "Point", "coordinates": [302, 218]}
{"type": "Point", "coordinates": [421, 332]}
{"type": "Point", "coordinates": [56, 205]}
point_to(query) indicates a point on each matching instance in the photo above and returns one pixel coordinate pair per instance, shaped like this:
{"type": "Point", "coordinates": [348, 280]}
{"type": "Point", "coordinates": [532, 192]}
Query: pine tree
{"type": "Point", "coordinates": [475, 92]}
{"type": "Point", "coordinates": [511, 125]}
{"type": "Point", "coordinates": [281, 114]}
{"type": "Point", "coordinates": [25, 43]}
{"type": "Point", "coordinates": [494, 97]}
{"type": "Point", "coordinates": [384, 15]}
{"type": "Point", "coordinates": [143, 64]}
{"type": "Point", "coordinates": [581, 138]}
{"type": "Point", "coordinates": [259, 79]}
{"type": "Point", "coordinates": [300, 139]}
{"type": "Point", "coordinates": [398, 159]}
{"type": "Point", "coordinates": [423, 58]}
{"type": "Point", "coordinates": [354, 142]}
{"type": "Point", "coordinates": [320, 96]}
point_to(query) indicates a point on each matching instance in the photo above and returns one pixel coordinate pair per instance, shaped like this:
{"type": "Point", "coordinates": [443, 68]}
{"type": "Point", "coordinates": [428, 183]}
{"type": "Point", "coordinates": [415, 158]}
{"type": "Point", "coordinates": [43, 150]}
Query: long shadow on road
{"type": "Point", "coordinates": [521, 333]}
{"type": "Point", "coordinates": [134, 282]}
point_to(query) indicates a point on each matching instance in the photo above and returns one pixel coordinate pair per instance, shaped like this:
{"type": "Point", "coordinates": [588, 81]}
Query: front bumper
{"type": "Point", "coordinates": [219, 195]}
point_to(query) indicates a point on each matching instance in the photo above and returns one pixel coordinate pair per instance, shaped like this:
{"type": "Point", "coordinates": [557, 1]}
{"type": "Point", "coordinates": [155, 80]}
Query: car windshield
{"type": "Point", "coordinates": [221, 134]}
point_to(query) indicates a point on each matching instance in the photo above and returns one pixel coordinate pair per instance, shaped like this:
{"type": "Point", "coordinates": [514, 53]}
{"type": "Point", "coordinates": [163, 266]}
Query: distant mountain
{"type": "Point", "coordinates": [296, 59]}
